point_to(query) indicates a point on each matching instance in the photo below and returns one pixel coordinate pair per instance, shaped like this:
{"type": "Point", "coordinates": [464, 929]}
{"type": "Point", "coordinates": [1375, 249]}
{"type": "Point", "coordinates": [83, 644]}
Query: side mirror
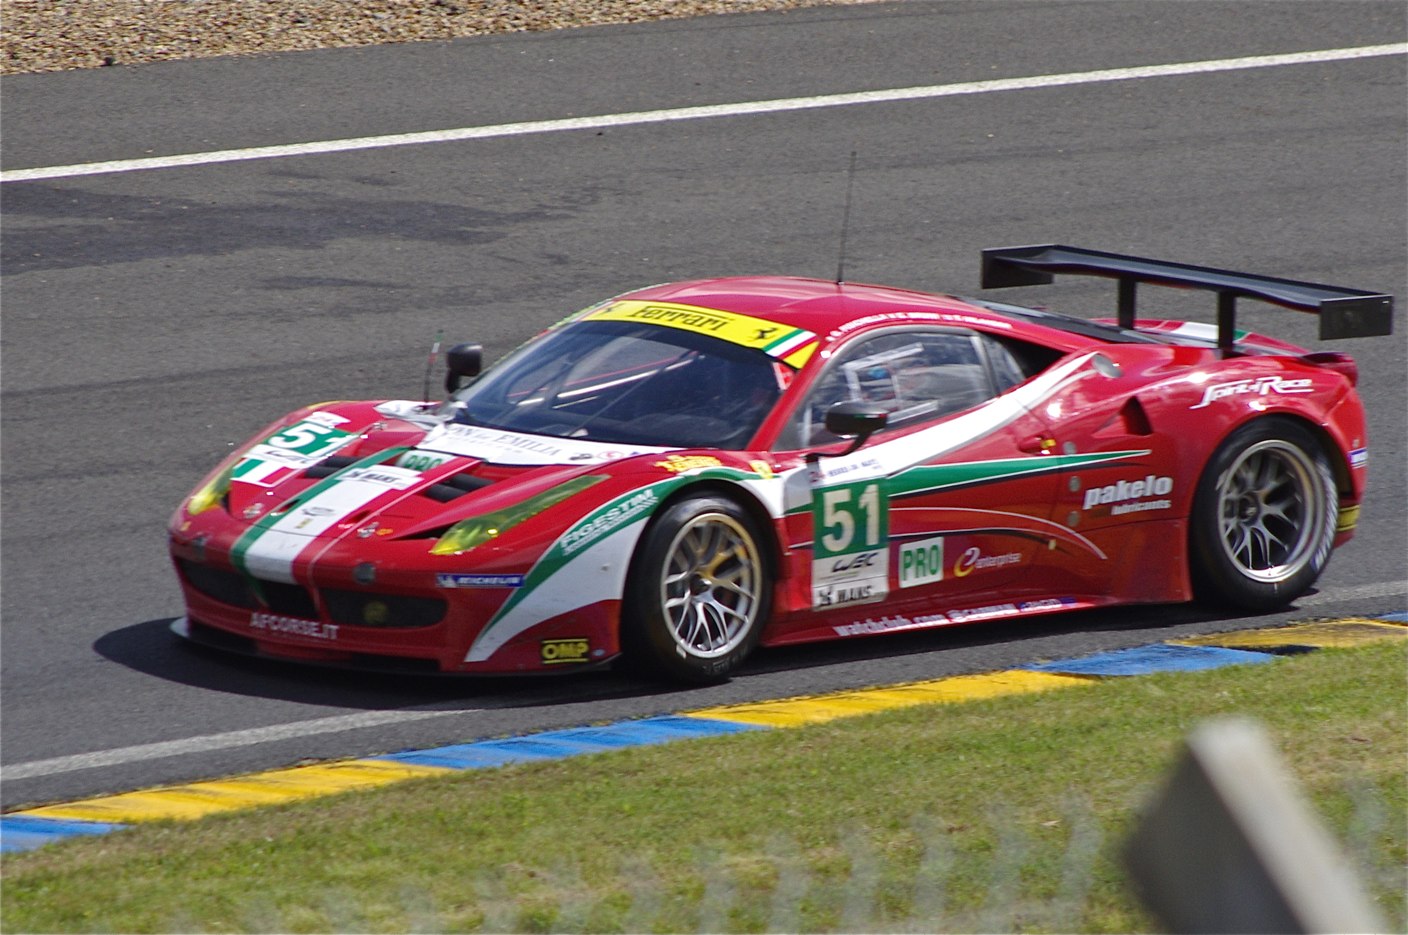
{"type": "Point", "coordinates": [462, 361]}
{"type": "Point", "coordinates": [855, 420]}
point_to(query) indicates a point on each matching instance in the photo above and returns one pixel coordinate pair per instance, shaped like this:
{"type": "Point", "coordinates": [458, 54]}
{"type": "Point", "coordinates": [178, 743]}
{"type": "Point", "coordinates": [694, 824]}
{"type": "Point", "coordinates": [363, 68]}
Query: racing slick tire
{"type": "Point", "coordinates": [1264, 516]}
{"type": "Point", "coordinates": [698, 593]}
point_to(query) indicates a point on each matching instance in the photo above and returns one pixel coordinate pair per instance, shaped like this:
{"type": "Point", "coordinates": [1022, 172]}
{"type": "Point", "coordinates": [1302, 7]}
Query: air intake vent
{"type": "Point", "coordinates": [452, 488]}
{"type": "Point", "coordinates": [329, 466]}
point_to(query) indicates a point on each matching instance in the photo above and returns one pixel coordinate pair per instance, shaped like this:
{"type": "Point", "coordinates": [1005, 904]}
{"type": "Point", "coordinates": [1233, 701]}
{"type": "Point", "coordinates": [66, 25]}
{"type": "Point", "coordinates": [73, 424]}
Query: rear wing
{"type": "Point", "coordinates": [1344, 313]}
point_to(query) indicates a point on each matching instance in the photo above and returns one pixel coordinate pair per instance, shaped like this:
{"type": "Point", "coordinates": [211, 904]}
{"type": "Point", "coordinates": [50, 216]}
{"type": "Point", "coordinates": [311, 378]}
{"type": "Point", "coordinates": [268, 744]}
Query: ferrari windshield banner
{"type": "Point", "coordinates": [793, 346]}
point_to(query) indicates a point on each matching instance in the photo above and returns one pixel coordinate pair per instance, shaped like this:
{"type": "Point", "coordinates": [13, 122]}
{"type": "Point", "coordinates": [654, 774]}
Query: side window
{"type": "Point", "coordinates": [916, 376]}
{"type": "Point", "coordinates": [1013, 361]}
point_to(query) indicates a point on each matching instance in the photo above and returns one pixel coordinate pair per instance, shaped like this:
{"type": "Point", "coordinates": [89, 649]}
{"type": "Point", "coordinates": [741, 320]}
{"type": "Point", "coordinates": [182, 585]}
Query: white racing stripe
{"type": "Point", "coordinates": [237, 738]}
{"type": "Point", "coordinates": [743, 108]}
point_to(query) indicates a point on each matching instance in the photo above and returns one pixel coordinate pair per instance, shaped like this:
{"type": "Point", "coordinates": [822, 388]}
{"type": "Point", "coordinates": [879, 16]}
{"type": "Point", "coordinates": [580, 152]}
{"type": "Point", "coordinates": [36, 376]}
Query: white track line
{"type": "Point", "coordinates": [224, 741]}
{"type": "Point", "coordinates": [698, 113]}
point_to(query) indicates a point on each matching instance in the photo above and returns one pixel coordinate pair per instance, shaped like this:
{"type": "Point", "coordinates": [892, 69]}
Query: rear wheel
{"type": "Point", "coordinates": [699, 591]}
{"type": "Point", "coordinates": [1264, 516]}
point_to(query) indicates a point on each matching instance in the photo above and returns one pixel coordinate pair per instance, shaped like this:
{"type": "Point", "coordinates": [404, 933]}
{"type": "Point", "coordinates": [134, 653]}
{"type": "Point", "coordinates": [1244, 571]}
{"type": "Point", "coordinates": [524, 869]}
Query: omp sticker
{"type": "Point", "coordinates": [921, 562]}
{"type": "Point", "coordinates": [1359, 458]}
{"type": "Point", "coordinates": [783, 342]}
{"type": "Point", "coordinates": [557, 652]}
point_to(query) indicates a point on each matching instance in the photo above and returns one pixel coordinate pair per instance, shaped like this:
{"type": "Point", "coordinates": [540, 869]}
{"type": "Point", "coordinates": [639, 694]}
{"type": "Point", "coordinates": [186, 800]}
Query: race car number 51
{"type": "Point", "coordinates": [850, 549]}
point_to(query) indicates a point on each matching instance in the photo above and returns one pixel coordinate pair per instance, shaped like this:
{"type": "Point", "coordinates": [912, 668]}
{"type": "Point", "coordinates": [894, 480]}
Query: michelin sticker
{"type": "Point", "coordinates": [850, 548]}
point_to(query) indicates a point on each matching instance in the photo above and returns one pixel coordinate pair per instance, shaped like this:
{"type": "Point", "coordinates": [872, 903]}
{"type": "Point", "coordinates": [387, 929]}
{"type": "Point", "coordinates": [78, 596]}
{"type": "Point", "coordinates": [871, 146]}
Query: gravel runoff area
{"type": "Point", "coordinates": [55, 35]}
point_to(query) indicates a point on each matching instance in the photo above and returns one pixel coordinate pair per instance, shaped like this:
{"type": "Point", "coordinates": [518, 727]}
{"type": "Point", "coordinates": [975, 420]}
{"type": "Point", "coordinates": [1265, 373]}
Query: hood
{"type": "Point", "coordinates": [398, 468]}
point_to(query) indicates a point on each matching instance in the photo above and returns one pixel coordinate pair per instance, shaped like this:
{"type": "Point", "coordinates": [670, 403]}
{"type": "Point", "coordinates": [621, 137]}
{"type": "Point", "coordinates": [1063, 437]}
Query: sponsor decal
{"type": "Point", "coordinates": [792, 345]}
{"type": "Point", "coordinates": [1260, 386]}
{"type": "Point", "coordinates": [888, 624]}
{"type": "Point", "coordinates": [921, 562]}
{"type": "Point", "coordinates": [396, 478]}
{"type": "Point", "coordinates": [451, 580]}
{"type": "Point", "coordinates": [1047, 603]}
{"type": "Point", "coordinates": [762, 469]}
{"type": "Point", "coordinates": [1118, 495]}
{"type": "Point", "coordinates": [678, 464]}
{"type": "Point", "coordinates": [600, 524]}
{"type": "Point", "coordinates": [294, 626]}
{"type": "Point", "coordinates": [422, 460]}
{"type": "Point", "coordinates": [973, 558]}
{"type": "Point", "coordinates": [557, 652]}
{"type": "Point", "coordinates": [502, 447]}
{"type": "Point", "coordinates": [1359, 458]}
{"type": "Point", "coordinates": [983, 613]}
{"type": "Point", "coordinates": [850, 551]}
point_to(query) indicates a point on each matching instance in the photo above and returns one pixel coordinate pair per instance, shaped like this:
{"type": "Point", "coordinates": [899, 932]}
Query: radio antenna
{"type": "Point", "coordinates": [430, 364]}
{"type": "Point", "coordinates": [846, 220]}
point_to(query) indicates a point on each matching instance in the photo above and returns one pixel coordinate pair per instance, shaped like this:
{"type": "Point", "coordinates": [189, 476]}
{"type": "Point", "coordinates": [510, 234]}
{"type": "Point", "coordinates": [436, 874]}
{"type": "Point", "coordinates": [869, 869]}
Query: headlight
{"type": "Point", "coordinates": [478, 530]}
{"type": "Point", "coordinates": [211, 494]}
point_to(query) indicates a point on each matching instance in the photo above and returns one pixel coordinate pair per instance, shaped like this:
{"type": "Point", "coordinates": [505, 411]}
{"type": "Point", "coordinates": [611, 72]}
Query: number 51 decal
{"type": "Point", "coordinates": [850, 544]}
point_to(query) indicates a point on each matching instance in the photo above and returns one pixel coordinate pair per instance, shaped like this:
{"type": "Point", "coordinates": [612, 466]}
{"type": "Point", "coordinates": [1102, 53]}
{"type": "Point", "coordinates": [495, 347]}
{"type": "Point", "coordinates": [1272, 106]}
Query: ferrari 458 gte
{"type": "Point", "coordinates": [682, 473]}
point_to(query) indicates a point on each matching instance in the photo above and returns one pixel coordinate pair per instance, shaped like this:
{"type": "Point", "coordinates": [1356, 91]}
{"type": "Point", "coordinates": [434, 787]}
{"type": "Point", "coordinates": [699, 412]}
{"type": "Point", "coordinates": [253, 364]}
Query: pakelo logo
{"type": "Point", "coordinates": [973, 558]}
{"type": "Point", "coordinates": [558, 652]}
{"type": "Point", "coordinates": [1117, 495]}
{"type": "Point", "coordinates": [1260, 386]}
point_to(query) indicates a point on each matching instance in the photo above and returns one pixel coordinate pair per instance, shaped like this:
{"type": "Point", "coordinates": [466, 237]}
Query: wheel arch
{"type": "Point", "coordinates": [751, 504]}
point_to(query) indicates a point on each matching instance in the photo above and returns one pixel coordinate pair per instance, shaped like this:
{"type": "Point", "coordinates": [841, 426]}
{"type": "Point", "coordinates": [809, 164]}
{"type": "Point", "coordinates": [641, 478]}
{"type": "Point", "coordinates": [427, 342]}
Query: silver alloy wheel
{"type": "Point", "coordinates": [1271, 511]}
{"type": "Point", "coordinates": [709, 590]}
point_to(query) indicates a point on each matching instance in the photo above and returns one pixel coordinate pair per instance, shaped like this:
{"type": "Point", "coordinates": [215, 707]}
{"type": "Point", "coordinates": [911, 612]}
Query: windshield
{"type": "Point", "coordinates": [628, 383]}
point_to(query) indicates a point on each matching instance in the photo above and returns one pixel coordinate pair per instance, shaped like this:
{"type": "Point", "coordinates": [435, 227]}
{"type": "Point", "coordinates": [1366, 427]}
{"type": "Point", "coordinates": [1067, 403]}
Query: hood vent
{"type": "Point", "coordinates": [452, 488]}
{"type": "Point", "coordinates": [330, 466]}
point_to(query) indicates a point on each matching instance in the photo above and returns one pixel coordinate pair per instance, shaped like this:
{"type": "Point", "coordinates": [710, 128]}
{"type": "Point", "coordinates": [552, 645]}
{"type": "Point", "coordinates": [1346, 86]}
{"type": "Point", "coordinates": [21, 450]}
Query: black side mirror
{"type": "Point", "coordinates": [462, 361]}
{"type": "Point", "coordinates": [855, 420]}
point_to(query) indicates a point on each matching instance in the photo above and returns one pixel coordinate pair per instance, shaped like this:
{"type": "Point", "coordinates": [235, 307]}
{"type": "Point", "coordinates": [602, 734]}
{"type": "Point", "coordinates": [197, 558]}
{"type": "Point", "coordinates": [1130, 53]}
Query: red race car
{"type": "Point", "coordinates": [682, 473]}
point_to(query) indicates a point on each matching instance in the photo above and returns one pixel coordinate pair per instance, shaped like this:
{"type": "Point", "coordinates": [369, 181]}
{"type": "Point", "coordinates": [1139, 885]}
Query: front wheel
{"type": "Point", "coordinates": [699, 591]}
{"type": "Point", "coordinates": [1263, 517]}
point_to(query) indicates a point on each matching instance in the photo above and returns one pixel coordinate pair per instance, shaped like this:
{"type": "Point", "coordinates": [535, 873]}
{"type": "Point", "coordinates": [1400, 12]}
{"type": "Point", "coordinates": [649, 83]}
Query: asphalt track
{"type": "Point", "coordinates": [154, 317]}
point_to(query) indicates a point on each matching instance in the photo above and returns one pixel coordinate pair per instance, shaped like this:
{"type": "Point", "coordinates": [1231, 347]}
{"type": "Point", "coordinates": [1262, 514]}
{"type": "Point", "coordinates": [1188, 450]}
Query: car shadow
{"type": "Point", "coordinates": [152, 649]}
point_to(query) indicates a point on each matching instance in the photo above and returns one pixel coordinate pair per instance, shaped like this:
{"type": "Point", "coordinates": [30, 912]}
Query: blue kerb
{"type": "Point", "coordinates": [1159, 657]}
{"type": "Point", "coordinates": [1395, 618]}
{"type": "Point", "coordinates": [553, 745]}
{"type": "Point", "coordinates": [25, 832]}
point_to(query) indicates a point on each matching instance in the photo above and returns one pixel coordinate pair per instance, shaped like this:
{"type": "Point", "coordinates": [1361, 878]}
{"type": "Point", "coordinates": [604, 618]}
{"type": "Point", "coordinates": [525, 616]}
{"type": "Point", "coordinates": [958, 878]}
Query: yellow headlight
{"type": "Point", "coordinates": [478, 530]}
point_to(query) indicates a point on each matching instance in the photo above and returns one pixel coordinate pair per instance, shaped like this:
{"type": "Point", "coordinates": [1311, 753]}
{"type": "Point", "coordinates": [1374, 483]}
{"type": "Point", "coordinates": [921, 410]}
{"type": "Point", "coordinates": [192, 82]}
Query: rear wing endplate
{"type": "Point", "coordinates": [1344, 313]}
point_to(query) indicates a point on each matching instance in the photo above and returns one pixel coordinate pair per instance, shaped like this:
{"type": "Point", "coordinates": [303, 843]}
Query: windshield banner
{"type": "Point", "coordinates": [792, 346]}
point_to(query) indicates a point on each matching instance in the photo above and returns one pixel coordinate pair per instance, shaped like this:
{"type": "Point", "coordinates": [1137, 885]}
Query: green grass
{"type": "Point", "coordinates": [1000, 815]}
